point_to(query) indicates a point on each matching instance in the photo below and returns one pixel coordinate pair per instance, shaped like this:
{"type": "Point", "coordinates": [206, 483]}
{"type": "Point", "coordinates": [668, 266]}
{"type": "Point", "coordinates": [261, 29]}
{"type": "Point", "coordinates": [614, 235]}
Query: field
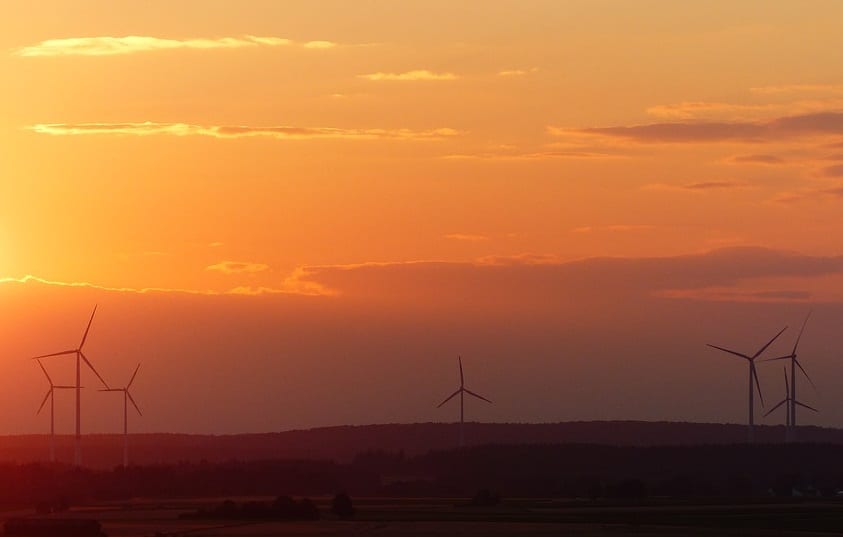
{"type": "Point", "coordinates": [421, 517]}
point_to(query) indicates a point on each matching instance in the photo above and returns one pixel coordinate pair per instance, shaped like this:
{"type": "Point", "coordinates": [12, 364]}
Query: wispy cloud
{"type": "Point", "coordinates": [797, 88]}
{"type": "Point", "coordinates": [701, 109]}
{"type": "Point", "coordinates": [419, 74]}
{"type": "Point", "coordinates": [469, 237]}
{"type": "Point", "coordinates": [833, 171]}
{"type": "Point", "coordinates": [534, 155]}
{"type": "Point", "coordinates": [130, 44]}
{"type": "Point", "coordinates": [295, 284]}
{"type": "Point", "coordinates": [777, 129]}
{"type": "Point", "coordinates": [769, 160]}
{"type": "Point", "coordinates": [516, 72]}
{"type": "Point", "coordinates": [238, 131]}
{"type": "Point", "coordinates": [237, 267]}
{"type": "Point", "coordinates": [619, 228]}
{"type": "Point", "coordinates": [702, 186]}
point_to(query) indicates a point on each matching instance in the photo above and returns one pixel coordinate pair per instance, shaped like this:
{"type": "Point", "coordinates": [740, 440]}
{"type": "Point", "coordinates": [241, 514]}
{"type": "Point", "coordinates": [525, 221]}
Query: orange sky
{"type": "Point", "coordinates": [355, 169]}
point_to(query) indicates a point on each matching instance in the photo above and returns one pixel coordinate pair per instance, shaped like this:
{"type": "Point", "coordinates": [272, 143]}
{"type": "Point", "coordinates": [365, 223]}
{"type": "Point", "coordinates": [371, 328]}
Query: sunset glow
{"type": "Point", "coordinates": [314, 208]}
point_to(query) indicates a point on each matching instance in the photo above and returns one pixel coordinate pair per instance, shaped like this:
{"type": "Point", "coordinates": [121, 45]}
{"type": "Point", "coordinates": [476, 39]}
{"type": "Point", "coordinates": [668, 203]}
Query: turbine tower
{"type": "Point", "coordinates": [791, 403]}
{"type": "Point", "coordinates": [52, 397]}
{"type": "Point", "coordinates": [80, 357]}
{"type": "Point", "coordinates": [127, 397]}
{"type": "Point", "coordinates": [753, 380]}
{"type": "Point", "coordinates": [461, 391]}
{"type": "Point", "coordinates": [794, 363]}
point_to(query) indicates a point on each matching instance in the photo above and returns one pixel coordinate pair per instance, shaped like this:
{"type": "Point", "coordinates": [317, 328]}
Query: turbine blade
{"type": "Point", "coordinates": [85, 336]}
{"type": "Point", "coordinates": [764, 348]}
{"type": "Point", "coordinates": [62, 353]}
{"type": "Point", "coordinates": [132, 400]}
{"type": "Point", "coordinates": [806, 375]}
{"type": "Point", "coordinates": [800, 332]}
{"type": "Point", "coordinates": [133, 377]}
{"type": "Point", "coordinates": [66, 387]}
{"type": "Point", "coordinates": [45, 372]}
{"type": "Point", "coordinates": [775, 407]}
{"type": "Point", "coordinates": [469, 392]}
{"type": "Point", "coordinates": [449, 398]}
{"type": "Point", "coordinates": [89, 364]}
{"type": "Point", "coordinates": [730, 352]}
{"type": "Point", "coordinates": [803, 405]}
{"type": "Point", "coordinates": [462, 377]}
{"type": "Point", "coordinates": [788, 357]}
{"type": "Point", "coordinates": [44, 402]}
{"type": "Point", "coordinates": [757, 383]}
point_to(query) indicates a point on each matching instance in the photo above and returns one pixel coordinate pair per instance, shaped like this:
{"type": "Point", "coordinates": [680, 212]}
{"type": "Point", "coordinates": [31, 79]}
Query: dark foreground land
{"type": "Point", "coordinates": [568, 489]}
{"type": "Point", "coordinates": [343, 443]}
{"type": "Point", "coordinates": [389, 517]}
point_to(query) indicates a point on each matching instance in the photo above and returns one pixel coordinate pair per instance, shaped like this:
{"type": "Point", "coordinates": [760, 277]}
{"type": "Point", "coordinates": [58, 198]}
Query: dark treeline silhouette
{"type": "Point", "coordinates": [343, 443]}
{"type": "Point", "coordinates": [562, 471]}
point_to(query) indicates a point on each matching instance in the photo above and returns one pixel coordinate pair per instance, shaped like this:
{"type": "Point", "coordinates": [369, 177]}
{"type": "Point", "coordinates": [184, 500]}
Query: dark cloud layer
{"type": "Point", "coordinates": [783, 128]}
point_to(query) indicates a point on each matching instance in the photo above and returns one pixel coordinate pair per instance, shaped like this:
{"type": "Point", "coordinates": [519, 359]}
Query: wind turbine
{"type": "Point", "coordinates": [753, 379]}
{"type": "Point", "coordinates": [52, 397]}
{"type": "Point", "coordinates": [461, 391]}
{"type": "Point", "coordinates": [790, 401]}
{"type": "Point", "coordinates": [80, 357]}
{"type": "Point", "coordinates": [794, 363]}
{"type": "Point", "coordinates": [127, 397]}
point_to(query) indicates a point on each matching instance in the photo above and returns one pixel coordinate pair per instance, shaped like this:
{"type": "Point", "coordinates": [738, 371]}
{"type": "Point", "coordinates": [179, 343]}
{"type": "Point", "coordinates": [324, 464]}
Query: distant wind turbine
{"type": "Point", "coordinates": [753, 379]}
{"type": "Point", "coordinates": [52, 397]}
{"type": "Point", "coordinates": [80, 357]}
{"type": "Point", "coordinates": [794, 363]}
{"type": "Point", "coordinates": [790, 401]}
{"type": "Point", "coordinates": [461, 392]}
{"type": "Point", "coordinates": [127, 397]}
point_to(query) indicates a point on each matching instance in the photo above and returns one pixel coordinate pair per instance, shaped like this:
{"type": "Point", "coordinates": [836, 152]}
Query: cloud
{"type": "Point", "coordinates": [734, 295]}
{"type": "Point", "coordinates": [705, 110]}
{"type": "Point", "coordinates": [516, 72]}
{"type": "Point", "coordinates": [319, 44]}
{"type": "Point", "coordinates": [777, 129]}
{"type": "Point", "coordinates": [540, 281]}
{"type": "Point", "coordinates": [420, 74]}
{"type": "Point", "coordinates": [613, 228]}
{"type": "Point", "coordinates": [110, 46]}
{"type": "Point", "coordinates": [833, 171]}
{"type": "Point", "coordinates": [757, 159]}
{"type": "Point", "coordinates": [469, 237]}
{"type": "Point", "coordinates": [797, 88]}
{"type": "Point", "coordinates": [702, 186]}
{"type": "Point", "coordinates": [239, 131]}
{"type": "Point", "coordinates": [699, 109]}
{"type": "Point", "coordinates": [534, 155]}
{"type": "Point", "coordinates": [290, 286]}
{"type": "Point", "coordinates": [833, 192]}
{"type": "Point", "coordinates": [237, 267]}
{"type": "Point", "coordinates": [536, 281]}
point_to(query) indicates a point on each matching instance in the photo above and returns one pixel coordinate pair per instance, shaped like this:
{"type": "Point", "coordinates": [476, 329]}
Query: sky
{"type": "Point", "coordinates": [298, 214]}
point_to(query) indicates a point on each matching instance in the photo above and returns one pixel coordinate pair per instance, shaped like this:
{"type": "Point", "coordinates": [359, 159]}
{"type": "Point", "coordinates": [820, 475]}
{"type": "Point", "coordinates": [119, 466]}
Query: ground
{"type": "Point", "coordinates": [386, 517]}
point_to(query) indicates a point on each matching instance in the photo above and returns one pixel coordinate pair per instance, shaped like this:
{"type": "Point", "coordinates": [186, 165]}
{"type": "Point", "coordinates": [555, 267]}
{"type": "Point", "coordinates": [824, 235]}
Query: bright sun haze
{"type": "Point", "coordinates": [297, 214]}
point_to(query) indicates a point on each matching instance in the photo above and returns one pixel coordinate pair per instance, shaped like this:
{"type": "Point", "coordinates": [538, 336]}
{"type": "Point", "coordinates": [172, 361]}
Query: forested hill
{"type": "Point", "coordinates": [343, 443]}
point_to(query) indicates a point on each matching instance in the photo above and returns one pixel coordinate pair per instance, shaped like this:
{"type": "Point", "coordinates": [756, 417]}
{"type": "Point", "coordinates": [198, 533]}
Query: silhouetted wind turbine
{"type": "Point", "coordinates": [127, 396]}
{"type": "Point", "coordinates": [80, 356]}
{"type": "Point", "coordinates": [52, 397]}
{"type": "Point", "coordinates": [461, 392]}
{"type": "Point", "coordinates": [753, 379]}
{"type": "Point", "coordinates": [794, 363]}
{"type": "Point", "coordinates": [789, 400]}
